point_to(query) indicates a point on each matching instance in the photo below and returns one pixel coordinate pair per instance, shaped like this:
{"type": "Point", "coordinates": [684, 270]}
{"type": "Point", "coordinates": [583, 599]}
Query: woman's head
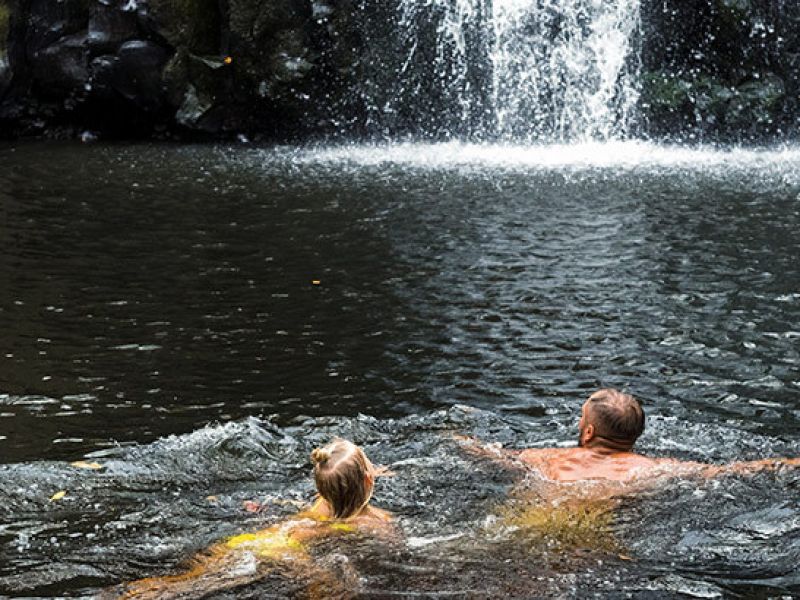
{"type": "Point", "coordinates": [344, 477]}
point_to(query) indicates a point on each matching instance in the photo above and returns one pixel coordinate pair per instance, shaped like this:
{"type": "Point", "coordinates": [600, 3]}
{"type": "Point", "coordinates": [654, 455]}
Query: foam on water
{"type": "Point", "coordinates": [615, 155]}
{"type": "Point", "coordinates": [152, 506]}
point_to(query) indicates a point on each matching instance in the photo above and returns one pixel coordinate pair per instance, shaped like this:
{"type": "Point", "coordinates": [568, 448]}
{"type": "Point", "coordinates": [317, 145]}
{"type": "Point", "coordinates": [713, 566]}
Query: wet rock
{"type": "Point", "coordinates": [137, 73]}
{"type": "Point", "coordinates": [110, 26]}
{"type": "Point", "coordinates": [712, 105]}
{"type": "Point", "coordinates": [321, 10]}
{"type": "Point", "coordinates": [292, 63]}
{"type": "Point", "coordinates": [193, 108]}
{"type": "Point", "coordinates": [193, 77]}
{"type": "Point", "coordinates": [735, 7]}
{"type": "Point", "coordinates": [62, 68]}
{"type": "Point", "coordinates": [88, 137]}
{"type": "Point", "coordinates": [193, 25]}
{"type": "Point", "coordinates": [204, 103]}
{"type": "Point", "coordinates": [48, 21]}
{"type": "Point", "coordinates": [711, 66]}
{"type": "Point", "coordinates": [102, 70]}
{"type": "Point", "coordinates": [272, 51]}
{"type": "Point", "coordinates": [196, 88]}
{"type": "Point", "coordinates": [723, 68]}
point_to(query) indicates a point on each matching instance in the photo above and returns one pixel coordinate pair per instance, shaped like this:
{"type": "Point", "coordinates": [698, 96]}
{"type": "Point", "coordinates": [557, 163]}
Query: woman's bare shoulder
{"type": "Point", "coordinates": [380, 515]}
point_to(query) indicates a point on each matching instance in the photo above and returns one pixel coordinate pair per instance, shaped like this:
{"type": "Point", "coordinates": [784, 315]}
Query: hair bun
{"type": "Point", "coordinates": [320, 455]}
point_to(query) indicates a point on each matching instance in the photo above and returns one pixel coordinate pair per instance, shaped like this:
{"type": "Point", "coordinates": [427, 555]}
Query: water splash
{"type": "Point", "coordinates": [152, 506]}
{"type": "Point", "coordinates": [776, 165]}
{"type": "Point", "coordinates": [521, 70]}
{"type": "Point", "coordinates": [563, 70]}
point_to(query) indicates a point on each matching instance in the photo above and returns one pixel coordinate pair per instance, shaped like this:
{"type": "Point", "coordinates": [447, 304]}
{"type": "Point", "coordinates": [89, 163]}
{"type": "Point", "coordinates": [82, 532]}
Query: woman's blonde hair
{"type": "Point", "coordinates": [344, 477]}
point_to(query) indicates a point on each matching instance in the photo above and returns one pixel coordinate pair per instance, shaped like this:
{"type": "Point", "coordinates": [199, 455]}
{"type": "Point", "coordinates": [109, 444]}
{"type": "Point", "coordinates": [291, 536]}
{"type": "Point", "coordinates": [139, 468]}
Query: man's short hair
{"type": "Point", "coordinates": [616, 416]}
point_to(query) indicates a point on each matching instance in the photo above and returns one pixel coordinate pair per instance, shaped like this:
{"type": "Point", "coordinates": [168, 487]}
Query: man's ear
{"type": "Point", "coordinates": [588, 432]}
{"type": "Point", "coordinates": [369, 479]}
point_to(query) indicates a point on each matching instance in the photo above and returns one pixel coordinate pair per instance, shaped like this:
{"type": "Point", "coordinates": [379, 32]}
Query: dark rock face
{"type": "Point", "coordinates": [717, 69]}
{"type": "Point", "coordinates": [61, 69]}
{"type": "Point", "coordinates": [5, 65]}
{"type": "Point", "coordinates": [137, 73]}
{"type": "Point", "coordinates": [131, 67]}
{"type": "Point", "coordinates": [110, 26]}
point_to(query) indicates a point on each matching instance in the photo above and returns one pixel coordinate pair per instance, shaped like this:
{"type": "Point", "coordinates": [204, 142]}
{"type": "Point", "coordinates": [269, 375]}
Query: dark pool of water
{"type": "Point", "coordinates": [153, 291]}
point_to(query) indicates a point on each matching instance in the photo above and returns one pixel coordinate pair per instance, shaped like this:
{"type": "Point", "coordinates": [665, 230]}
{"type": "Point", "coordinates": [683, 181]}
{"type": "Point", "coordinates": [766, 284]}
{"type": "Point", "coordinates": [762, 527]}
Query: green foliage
{"type": "Point", "coordinates": [664, 92]}
{"type": "Point", "coordinates": [756, 101]}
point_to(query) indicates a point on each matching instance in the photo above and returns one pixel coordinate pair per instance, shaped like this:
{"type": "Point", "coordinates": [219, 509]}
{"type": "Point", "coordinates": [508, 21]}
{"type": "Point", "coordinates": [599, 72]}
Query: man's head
{"type": "Point", "coordinates": [611, 419]}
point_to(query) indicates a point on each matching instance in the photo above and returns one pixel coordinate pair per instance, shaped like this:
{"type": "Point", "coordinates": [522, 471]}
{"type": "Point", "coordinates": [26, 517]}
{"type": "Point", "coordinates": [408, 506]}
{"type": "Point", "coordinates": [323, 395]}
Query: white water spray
{"type": "Point", "coordinates": [556, 70]}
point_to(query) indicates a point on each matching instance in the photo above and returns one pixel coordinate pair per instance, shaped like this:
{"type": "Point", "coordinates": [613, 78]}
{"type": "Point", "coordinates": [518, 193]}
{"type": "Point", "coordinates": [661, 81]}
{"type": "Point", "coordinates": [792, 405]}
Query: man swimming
{"type": "Point", "coordinates": [610, 424]}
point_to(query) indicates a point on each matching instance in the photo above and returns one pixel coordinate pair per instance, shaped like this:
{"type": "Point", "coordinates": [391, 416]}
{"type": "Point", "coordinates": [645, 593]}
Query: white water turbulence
{"type": "Point", "coordinates": [525, 70]}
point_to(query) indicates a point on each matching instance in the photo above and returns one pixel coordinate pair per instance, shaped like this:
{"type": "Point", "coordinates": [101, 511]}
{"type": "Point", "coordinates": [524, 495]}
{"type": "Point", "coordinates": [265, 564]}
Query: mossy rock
{"type": "Point", "coordinates": [272, 52]}
{"type": "Point", "coordinates": [5, 18]}
{"type": "Point", "coordinates": [664, 92]}
{"type": "Point", "coordinates": [754, 104]}
{"type": "Point", "coordinates": [254, 22]}
{"type": "Point", "coordinates": [5, 68]}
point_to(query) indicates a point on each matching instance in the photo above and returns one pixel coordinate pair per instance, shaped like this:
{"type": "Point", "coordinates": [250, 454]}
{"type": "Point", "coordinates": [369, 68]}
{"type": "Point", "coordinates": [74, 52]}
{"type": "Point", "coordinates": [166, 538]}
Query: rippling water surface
{"type": "Point", "coordinates": [249, 303]}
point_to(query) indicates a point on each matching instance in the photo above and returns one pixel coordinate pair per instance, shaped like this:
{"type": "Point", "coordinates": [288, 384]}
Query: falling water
{"type": "Point", "coordinates": [517, 70]}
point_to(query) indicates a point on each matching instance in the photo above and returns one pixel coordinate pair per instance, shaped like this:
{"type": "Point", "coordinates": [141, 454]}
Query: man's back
{"type": "Point", "coordinates": [576, 464]}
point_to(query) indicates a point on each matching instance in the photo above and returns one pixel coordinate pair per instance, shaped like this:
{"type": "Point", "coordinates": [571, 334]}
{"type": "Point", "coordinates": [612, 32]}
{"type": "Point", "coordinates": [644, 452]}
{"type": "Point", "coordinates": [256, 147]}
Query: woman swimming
{"type": "Point", "coordinates": [345, 479]}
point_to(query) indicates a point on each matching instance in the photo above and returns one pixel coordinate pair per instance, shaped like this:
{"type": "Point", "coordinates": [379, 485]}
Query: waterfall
{"type": "Point", "coordinates": [515, 70]}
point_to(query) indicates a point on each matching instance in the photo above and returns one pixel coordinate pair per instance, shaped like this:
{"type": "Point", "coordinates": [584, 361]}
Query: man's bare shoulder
{"type": "Point", "coordinates": [576, 464]}
{"type": "Point", "coordinates": [539, 454]}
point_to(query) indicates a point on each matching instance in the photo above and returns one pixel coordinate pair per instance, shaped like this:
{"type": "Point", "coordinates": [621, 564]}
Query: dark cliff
{"type": "Point", "coordinates": [138, 68]}
{"type": "Point", "coordinates": [712, 69]}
